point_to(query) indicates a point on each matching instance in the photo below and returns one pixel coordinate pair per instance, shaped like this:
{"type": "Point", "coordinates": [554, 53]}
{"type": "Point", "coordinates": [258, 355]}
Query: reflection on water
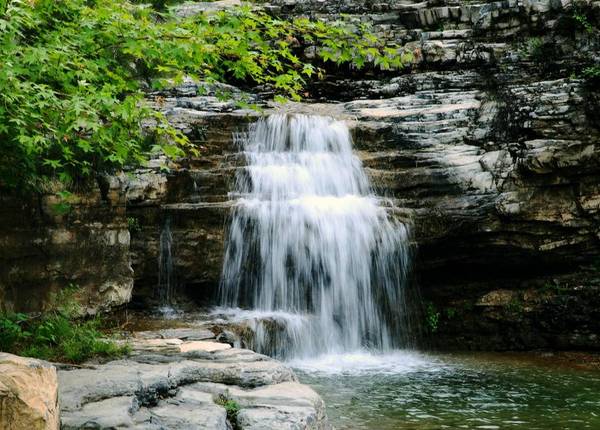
{"type": "Point", "coordinates": [407, 390]}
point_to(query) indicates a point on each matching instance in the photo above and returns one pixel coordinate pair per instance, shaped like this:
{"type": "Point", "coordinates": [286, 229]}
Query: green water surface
{"type": "Point", "coordinates": [475, 391]}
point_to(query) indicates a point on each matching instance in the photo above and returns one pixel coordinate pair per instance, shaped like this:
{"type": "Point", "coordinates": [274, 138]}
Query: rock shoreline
{"type": "Point", "coordinates": [179, 383]}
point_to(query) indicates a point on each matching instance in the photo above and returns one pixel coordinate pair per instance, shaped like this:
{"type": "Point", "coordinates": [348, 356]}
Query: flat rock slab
{"type": "Point", "coordinates": [287, 405]}
{"type": "Point", "coordinates": [175, 346]}
{"type": "Point", "coordinates": [203, 346]}
{"type": "Point", "coordinates": [177, 333]}
{"type": "Point", "coordinates": [176, 384]}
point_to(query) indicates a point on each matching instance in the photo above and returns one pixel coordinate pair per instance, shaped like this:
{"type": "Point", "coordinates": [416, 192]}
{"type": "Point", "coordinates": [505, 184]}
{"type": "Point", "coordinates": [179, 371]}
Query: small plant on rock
{"type": "Point", "coordinates": [432, 317]}
{"type": "Point", "coordinates": [231, 408]}
{"type": "Point", "coordinates": [133, 224]}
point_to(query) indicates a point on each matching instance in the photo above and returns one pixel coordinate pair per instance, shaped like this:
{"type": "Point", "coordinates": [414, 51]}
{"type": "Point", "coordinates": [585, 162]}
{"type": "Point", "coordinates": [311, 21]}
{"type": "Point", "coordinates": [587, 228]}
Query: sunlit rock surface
{"type": "Point", "coordinates": [28, 394]}
{"type": "Point", "coordinates": [183, 384]}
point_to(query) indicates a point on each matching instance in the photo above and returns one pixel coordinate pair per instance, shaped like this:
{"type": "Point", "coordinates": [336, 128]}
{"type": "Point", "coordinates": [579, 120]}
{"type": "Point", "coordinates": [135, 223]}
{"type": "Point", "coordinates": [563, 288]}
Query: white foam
{"type": "Point", "coordinates": [237, 315]}
{"type": "Point", "coordinates": [169, 312]}
{"type": "Point", "coordinates": [362, 362]}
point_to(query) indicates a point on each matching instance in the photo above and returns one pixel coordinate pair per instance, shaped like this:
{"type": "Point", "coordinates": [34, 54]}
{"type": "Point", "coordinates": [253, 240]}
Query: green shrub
{"type": "Point", "coordinates": [451, 312]}
{"type": "Point", "coordinates": [432, 317]}
{"type": "Point", "coordinates": [231, 408]}
{"type": "Point", "coordinates": [57, 335]}
{"type": "Point", "coordinates": [133, 224]}
{"type": "Point", "coordinates": [73, 75]}
{"type": "Point", "coordinates": [592, 72]}
{"type": "Point", "coordinates": [515, 306]}
{"type": "Point", "coordinates": [582, 20]}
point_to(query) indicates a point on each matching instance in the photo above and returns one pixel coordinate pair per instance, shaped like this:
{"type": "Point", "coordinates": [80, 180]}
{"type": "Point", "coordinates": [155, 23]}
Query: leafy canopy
{"type": "Point", "coordinates": [73, 73]}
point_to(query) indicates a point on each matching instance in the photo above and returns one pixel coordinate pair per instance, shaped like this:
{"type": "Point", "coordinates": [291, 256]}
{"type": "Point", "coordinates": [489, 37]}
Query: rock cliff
{"type": "Point", "coordinates": [489, 143]}
{"type": "Point", "coordinates": [49, 243]}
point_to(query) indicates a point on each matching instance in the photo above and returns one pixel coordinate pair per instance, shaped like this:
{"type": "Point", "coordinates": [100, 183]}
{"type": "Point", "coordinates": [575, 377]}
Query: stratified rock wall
{"type": "Point", "coordinates": [489, 142]}
{"type": "Point", "coordinates": [50, 243]}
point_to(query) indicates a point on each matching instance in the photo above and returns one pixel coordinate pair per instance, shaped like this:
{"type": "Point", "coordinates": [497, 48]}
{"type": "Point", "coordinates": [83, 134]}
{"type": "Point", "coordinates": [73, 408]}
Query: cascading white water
{"type": "Point", "coordinates": [313, 258]}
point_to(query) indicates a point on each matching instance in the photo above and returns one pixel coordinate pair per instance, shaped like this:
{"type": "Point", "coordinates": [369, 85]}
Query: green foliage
{"type": "Point", "coordinates": [231, 408]}
{"type": "Point", "coordinates": [555, 288]}
{"type": "Point", "coordinates": [133, 224]}
{"type": "Point", "coordinates": [432, 317]}
{"type": "Point", "coordinates": [72, 75]}
{"type": "Point", "coordinates": [11, 331]}
{"type": "Point", "coordinates": [451, 312]}
{"type": "Point", "coordinates": [515, 306]}
{"type": "Point", "coordinates": [57, 335]}
{"type": "Point", "coordinates": [63, 206]}
{"type": "Point", "coordinates": [592, 72]}
{"type": "Point", "coordinates": [536, 48]}
{"type": "Point", "coordinates": [581, 18]}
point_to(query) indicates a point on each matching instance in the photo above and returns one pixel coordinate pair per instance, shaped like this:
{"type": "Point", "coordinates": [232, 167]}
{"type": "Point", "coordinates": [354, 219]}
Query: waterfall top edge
{"type": "Point", "coordinates": [295, 133]}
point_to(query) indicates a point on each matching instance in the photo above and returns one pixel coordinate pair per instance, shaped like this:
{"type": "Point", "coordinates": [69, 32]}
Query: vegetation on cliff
{"type": "Point", "coordinates": [60, 334]}
{"type": "Point", "coordinates": [73, 76]}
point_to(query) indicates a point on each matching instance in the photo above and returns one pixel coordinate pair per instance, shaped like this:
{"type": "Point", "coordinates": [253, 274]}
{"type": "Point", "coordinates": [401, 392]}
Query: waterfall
{"type": "Point", "coordinates": [165, 266]}
{"type": "Point", "coordinates": [314, 263]}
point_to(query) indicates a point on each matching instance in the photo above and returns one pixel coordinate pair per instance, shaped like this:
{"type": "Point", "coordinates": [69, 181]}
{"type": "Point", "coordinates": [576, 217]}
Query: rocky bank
{"type": "Point", "coordinates": [184, 379]}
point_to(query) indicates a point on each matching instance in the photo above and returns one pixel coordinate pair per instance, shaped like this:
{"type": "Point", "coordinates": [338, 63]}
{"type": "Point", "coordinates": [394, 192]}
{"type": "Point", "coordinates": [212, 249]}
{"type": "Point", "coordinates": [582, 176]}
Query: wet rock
{"type": "Point", "coordinates": [49, 244]}
{"type": "Point", "coordinates": [145, 187]}
{"type": "Point", "coordinates": [228, 337]}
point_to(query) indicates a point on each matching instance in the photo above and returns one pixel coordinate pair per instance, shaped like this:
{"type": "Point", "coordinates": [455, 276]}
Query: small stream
{"type": "Point", "coordinates": [408, 390]}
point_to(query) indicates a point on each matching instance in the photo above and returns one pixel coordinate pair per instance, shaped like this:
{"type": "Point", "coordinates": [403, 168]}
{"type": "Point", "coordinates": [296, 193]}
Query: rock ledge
{"type": "Point", "coordinates": [181, 384]}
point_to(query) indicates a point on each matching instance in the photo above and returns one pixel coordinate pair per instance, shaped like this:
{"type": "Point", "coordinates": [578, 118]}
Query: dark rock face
{"type": "Point", "coordinates": [559, 312]}
{"type": "Point", "coordinates": [44, 249]}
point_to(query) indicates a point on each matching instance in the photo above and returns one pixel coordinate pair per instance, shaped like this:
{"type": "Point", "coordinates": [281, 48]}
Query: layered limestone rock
{"type": "Point", "coordinates": [50, 242]}
{"type": "Point", "coordinates": [175, 383]}
{"type": "Point", "coordinates": [28, 394]}
{"type": "Point", "coordinates": [488, 142]}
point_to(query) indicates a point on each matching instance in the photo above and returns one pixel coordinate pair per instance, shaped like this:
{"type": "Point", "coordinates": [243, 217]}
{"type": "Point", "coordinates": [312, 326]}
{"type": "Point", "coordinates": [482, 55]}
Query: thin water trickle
{"type": "Point", "coordinates": [312, 252]}
{"type": "Point", "coordinates": [165, 267]}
